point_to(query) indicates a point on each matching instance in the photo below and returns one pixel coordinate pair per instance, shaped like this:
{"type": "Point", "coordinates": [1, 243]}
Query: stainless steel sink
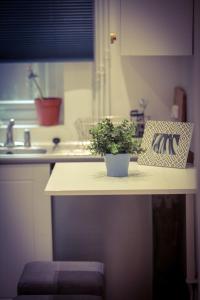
{"type": "Point", "coordinates": [61, 150]}
{"type": "Point", "coordinates": [22, 150]}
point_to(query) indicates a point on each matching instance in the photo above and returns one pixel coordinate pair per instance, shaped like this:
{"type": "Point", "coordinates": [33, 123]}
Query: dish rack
{"type": "Point", "coordinates": [83, 125]}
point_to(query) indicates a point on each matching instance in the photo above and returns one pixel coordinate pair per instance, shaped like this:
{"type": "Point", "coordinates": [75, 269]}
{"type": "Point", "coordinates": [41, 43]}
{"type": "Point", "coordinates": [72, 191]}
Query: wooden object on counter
{"type": "Point", "coordinates": [180, 100]}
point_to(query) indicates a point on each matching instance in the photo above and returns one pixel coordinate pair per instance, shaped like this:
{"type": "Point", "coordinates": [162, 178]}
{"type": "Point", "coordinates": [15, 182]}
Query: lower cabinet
{"type": "Point", "coordinates": [25, 221]}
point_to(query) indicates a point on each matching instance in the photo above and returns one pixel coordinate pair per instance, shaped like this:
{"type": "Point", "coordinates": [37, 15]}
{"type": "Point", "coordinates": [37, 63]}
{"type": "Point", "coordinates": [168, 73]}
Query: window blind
{"type": "Point", "coordinates": [46, 30]}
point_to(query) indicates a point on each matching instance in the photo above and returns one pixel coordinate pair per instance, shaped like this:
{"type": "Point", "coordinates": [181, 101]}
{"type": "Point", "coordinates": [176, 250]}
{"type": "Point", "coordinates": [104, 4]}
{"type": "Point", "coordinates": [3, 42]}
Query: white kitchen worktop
{"type": "Point", "coordinates": [63, 152]}
{"type": "Point", "coordinates": [90, 179]}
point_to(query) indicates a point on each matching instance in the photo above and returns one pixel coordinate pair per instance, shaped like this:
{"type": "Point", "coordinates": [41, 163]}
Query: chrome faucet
{"type": "Point", "coordinates": [9, 134]}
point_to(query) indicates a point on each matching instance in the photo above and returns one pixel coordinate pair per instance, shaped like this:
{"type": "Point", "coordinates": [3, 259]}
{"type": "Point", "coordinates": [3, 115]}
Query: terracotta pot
{"type": "Point", "coordinates": [48, 110]}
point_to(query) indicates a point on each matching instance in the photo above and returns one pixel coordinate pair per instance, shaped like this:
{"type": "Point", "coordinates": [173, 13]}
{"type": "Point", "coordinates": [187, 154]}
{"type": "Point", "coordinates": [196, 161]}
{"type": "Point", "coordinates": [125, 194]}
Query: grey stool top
{"type": "Point", "coordinates": [57, 297]}
{"type": "Point", "coordinates": [62, 278]}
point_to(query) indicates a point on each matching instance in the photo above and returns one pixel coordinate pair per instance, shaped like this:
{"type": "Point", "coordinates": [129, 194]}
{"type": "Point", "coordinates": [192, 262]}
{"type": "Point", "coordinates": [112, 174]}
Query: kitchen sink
{"type": "Point", "coordinates": [22, 150]}
{"type": "Point", "coordinates": [46, 150]}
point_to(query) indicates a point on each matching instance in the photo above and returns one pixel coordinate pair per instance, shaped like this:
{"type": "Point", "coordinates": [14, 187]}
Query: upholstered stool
{"type": "Point", "coordinates": [57, 297]}
{"type": "Point", "coordinates": [62, 278]}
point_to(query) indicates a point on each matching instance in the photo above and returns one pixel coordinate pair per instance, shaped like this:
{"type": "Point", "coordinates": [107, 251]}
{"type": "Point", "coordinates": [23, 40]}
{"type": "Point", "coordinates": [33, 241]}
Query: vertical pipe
{"type": "Point", "coordinates": [101, 50]}
{"type": "Point", "coordinates": [96, 92]}
{"type": "Point", "coordinates": [102, 60]}
{"type": "Point", "coordinates": [107, 106]}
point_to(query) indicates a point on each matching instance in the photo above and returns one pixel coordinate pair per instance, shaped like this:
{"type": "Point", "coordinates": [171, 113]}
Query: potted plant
{"type": "Point", "coordinates": [116, 143]}
{"type": "Point", "coordinates": [47, 108]}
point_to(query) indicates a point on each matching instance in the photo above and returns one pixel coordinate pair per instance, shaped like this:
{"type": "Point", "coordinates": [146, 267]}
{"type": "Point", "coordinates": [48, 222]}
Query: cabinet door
{"type": "Point", "coordinates": [156, 27]}
{"type": "Point", "coordinates": [25, 222]}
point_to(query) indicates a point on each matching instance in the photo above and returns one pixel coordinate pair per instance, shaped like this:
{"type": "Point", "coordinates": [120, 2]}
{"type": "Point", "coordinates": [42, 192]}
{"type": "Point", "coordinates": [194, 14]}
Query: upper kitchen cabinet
{"type": "Point", "coordinates": [46, 30]}
{"type": "Point", "coordinates": [156, 27]}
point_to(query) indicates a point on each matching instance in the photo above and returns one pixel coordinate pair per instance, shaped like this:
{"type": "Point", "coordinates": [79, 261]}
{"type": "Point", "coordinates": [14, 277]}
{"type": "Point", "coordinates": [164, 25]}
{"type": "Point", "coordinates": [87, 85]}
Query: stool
{"type": "Point", "coordinates": [57, 297]}
{"type": "Point", "coordinates": [62, 278]}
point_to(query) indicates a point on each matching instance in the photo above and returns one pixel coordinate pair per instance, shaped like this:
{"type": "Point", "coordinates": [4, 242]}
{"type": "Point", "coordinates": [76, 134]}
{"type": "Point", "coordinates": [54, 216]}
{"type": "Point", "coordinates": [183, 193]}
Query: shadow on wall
{"type": "Point", "coordinates": [114, 230]}
{"type": "Point", "coordinates": [154, 79]}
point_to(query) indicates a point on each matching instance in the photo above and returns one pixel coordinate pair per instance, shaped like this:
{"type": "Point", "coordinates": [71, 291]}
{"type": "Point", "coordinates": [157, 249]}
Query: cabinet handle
{"type": "Point", "coordinates": [113, 37]}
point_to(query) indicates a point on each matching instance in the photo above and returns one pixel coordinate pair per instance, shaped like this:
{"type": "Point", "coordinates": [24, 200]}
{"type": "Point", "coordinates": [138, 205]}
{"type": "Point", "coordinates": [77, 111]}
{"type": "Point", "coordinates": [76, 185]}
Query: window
{"type": "Point", "coordinates": [44, 32]}
{"type": "Point", "coordinates": [17, 92]}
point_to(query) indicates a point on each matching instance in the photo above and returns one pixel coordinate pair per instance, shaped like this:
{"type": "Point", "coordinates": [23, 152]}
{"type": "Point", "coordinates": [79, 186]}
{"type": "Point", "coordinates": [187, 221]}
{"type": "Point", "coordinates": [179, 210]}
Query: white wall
{"type": "Point", "coordinates": [78, 94]}
{"type": "Point", "coordinates": [154, 79]}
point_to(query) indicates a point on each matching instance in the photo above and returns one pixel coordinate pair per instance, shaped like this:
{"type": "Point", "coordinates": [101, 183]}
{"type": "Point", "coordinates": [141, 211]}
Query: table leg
{"type": "Point", "coordinates": [191, 278]}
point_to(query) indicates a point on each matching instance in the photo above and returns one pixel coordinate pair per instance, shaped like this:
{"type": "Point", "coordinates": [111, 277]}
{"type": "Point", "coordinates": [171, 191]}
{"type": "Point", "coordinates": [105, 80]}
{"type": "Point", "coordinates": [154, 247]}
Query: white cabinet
{"type": "Point", "coordinates": [25, 221]}
{"type": "Point", "coordinates": [156, 27]}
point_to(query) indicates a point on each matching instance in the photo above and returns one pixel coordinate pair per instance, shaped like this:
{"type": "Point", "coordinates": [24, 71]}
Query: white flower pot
{"type": "Point", "coordinates": [117, 165]}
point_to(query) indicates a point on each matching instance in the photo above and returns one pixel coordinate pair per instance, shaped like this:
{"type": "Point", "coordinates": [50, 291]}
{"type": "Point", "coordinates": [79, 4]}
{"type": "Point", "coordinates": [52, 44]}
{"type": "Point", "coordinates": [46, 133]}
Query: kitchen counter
{"type": "Point", "coordinates": [63, 152]}
{"type": "Point", "coordinates": [46, 158]}
{"type": "Point", "coordinates": [91, 179]}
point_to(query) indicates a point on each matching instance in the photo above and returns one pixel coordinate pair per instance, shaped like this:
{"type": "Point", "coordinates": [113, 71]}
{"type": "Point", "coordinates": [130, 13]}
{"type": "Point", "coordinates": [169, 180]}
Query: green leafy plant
{"type": "Point", "coordinates": [109, 138]}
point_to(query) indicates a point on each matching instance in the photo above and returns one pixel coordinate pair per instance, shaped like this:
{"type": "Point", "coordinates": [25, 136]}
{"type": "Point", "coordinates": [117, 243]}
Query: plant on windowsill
{"type": "Point", "coordinates": [47, 108]}
{"type": "Point", "coordinates": [116, 143]}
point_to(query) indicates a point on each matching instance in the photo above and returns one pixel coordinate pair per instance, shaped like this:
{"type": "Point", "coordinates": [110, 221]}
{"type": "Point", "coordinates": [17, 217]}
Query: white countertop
{"type": "Point", "coordinates": [64, 152]}
{"type": "Point", "coordinates": [71, 151]}
{"type": "Point", "coordinates": [90, 179]}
